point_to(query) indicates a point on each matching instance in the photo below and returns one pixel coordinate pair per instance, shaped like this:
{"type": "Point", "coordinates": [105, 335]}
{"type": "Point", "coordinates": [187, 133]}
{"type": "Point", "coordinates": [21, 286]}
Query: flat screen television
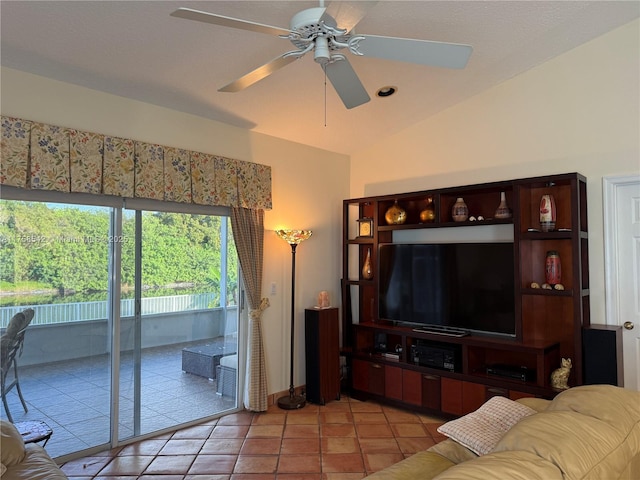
{"type": "Point", "coordinates": [462, 287]}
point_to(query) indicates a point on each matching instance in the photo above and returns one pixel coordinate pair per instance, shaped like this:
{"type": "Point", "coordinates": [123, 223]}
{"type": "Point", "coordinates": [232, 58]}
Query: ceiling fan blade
{"type": "Point", "coordinates": [258, 74]}
{"type": "Point", "coordinates": [346, 82]}
{"type": "Point", "coordinates": [425, 52]}
{"type": "Point", "coordinates": [349, 14]}
{"type": "Point", "coordinates": [189, 14]}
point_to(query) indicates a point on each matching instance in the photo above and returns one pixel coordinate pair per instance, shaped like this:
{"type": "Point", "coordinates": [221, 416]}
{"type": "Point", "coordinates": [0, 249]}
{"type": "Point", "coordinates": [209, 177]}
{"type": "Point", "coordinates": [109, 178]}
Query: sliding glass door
{"type": "Point", "coordinates": [136, 318]}
{"type": "Point", "coordinates": [54, 259]}
{"type": "Point", "coordinates": [178, 328]}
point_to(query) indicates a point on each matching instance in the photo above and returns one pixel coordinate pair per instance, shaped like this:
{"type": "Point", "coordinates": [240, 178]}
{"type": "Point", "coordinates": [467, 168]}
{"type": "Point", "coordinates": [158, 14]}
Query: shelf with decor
{"type": "Point", "coordinates": [547, 317]}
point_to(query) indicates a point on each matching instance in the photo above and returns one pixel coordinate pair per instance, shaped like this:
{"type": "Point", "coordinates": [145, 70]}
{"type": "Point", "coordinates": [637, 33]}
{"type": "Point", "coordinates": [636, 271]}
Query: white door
{"type": "Point", "coordinates": [622, 264]}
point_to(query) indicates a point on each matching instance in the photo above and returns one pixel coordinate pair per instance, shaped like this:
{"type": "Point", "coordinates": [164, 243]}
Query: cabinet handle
{"type": "Point", "coordinates": [499, 391]}
{"type": "Point", "coordinates": [376, 365]}
{"type": "Point", "coordinates": [430, 377]}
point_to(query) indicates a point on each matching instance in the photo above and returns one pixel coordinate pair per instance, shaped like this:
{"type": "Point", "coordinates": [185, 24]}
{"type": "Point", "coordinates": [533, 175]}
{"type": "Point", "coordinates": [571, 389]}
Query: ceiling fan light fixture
{"type": "Point", "coordinates": [386, 91]}
{"type": "Point", "coordinates": [321, 53]}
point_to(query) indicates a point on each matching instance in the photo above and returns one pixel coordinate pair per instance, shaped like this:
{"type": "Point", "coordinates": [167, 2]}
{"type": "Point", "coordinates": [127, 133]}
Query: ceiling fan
{"type": "Point", "coordinates": [316, 30]}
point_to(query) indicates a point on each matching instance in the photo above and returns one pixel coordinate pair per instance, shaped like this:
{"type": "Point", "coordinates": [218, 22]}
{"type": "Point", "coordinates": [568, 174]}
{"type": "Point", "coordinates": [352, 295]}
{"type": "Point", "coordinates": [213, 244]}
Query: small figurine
{"type": "Point", "coordinates": [560, 376]}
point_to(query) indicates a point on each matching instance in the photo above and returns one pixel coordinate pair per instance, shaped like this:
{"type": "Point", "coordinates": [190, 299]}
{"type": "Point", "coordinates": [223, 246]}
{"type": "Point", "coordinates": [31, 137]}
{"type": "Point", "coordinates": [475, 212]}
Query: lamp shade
{"type": "Point", "coordinates": [294, 237]}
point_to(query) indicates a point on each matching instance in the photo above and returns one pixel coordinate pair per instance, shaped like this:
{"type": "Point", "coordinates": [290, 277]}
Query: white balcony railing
{"type": "Point", "coordinates": [85, 311]}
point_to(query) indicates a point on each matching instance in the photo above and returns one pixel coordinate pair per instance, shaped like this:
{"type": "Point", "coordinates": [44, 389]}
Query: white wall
{"type": "Point", "coordinates": [579, 112]}
{"type": "Point", "coordinates": [308, 187]}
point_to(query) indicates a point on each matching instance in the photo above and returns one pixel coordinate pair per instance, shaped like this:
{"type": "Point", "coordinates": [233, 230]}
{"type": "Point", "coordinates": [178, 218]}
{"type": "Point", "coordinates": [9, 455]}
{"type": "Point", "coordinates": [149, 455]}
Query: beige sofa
{"type": "Point", "coordinates": [24, 462]}
{"type": "Point", "coordinates": [585, 433]}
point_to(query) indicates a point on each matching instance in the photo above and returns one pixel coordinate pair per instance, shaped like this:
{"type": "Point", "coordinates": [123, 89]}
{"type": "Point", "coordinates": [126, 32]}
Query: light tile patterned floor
{"type": "Point", "coordinates": [343, 440]}
{"type": "Point", "coordinates": [72, 397]}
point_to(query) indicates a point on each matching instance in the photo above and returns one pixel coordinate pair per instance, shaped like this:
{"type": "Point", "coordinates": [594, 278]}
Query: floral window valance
{"type": "Point", "coordinates": [47, 157]}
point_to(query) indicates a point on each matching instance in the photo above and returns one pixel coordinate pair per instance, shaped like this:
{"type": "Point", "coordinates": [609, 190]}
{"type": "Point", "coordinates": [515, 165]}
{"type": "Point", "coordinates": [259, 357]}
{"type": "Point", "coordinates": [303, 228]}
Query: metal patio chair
{"type": "Point", "coordinates": [11, 345]}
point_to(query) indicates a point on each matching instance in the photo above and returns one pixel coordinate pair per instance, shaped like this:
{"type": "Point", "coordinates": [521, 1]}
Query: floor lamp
{"type": "Point", "coordinates": [293, 238]}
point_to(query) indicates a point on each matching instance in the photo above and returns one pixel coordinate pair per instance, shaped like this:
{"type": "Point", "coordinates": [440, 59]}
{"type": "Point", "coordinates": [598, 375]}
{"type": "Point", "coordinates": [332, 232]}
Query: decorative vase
{"type": "Point", "coordinates": [460, 211]}
{"type": "Point", "coordinates": [503, 211]}
{"type": "Point", "coordinates": [547, 213]}
{"type": "Point", "coordinates": [552, 268]}
{"type": "Point", "coordinates": [367, 271]}
{"type": "Point", "coordinates": [395, 214]}
{"type": "Point", "coordinates": [428, 215]}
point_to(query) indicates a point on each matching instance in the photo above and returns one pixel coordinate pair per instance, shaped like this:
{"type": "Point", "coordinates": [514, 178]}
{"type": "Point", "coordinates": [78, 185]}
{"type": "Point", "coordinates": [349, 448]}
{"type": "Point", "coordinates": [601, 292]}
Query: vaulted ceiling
{"type": "Point", "coordinates": [135, 49]}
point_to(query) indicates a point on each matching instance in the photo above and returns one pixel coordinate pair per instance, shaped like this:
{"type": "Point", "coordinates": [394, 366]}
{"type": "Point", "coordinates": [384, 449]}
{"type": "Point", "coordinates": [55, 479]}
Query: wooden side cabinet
{"type": "Point", "coordinates": [322, 355]}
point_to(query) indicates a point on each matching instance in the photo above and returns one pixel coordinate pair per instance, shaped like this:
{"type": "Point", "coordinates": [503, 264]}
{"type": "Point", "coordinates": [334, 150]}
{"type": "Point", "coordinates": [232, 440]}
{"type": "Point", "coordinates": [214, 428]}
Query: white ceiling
{"type": "Point", "coordinates": [136, 50]}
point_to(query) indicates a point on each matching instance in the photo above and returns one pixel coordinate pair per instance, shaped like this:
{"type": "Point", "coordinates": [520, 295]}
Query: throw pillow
{"type": "Point", "coordinates": [481, 430]}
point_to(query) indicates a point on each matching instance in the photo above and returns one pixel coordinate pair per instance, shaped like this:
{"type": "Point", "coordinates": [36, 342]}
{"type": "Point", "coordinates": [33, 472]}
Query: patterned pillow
{"type": "Point", "coordinates": [481, 430]}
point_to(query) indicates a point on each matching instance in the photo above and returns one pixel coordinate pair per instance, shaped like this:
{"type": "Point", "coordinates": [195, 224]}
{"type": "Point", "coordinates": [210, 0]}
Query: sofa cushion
{"type": "Point", "coordinates": [504, 465]}
{"type": "Point", "coordinates": [481, 430]}
{"type": "Point", "coordinates": [12, 451]}
{"type": "Point", "coordinates": [37, 465]}
{"type": "Point", "coordinates": [453, 451]}
{"type": "Point", "coordinates": [588, 432]}
{"type": "Point", "coordinates": [423, 465]}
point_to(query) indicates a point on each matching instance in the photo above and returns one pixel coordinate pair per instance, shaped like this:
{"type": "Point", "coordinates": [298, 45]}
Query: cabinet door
{"type": "Point", "coordinates": [393, 382]}
{"type": "Point", "coordinates": [360, 375]}
{"type": "Point", "coordinates": [515, 395]}
{"type": "Point", "coordinates": [376, 379]}
{"type": "Point", "coordinates": [451, 396]}
{"type": "Point", "coordinates": [368, 377]}
{"type": "Point", "coordinates": [473, 396]}
{"type": "Point", "coordinates": [431, 391]}
{"type": "Point", "coordinates": [412, 387]}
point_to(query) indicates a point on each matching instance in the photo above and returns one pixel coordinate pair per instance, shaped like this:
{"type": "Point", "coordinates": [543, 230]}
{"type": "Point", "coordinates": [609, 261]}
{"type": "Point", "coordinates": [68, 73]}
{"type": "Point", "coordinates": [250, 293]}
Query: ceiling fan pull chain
{"type": "Point", "coordinates": [324, 68]}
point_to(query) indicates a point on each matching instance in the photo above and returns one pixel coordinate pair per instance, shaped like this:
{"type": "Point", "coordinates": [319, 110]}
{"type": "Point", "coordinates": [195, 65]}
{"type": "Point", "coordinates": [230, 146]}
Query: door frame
{"type": "Point", "coordinates": [609, 186]}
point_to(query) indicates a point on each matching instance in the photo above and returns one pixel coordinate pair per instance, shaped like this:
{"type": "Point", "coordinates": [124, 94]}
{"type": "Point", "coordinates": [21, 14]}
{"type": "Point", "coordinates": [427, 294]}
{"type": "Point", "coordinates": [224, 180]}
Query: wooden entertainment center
{"type": "Point", "coordinates": [548, 323]}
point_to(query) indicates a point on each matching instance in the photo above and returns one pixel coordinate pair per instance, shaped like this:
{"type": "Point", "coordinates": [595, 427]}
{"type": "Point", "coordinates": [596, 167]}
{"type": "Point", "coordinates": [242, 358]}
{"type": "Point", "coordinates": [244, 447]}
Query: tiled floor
{"type": "Point", "coordinates": [72, 397]}
{"type": "Point", "coordinates": [343, 440]}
